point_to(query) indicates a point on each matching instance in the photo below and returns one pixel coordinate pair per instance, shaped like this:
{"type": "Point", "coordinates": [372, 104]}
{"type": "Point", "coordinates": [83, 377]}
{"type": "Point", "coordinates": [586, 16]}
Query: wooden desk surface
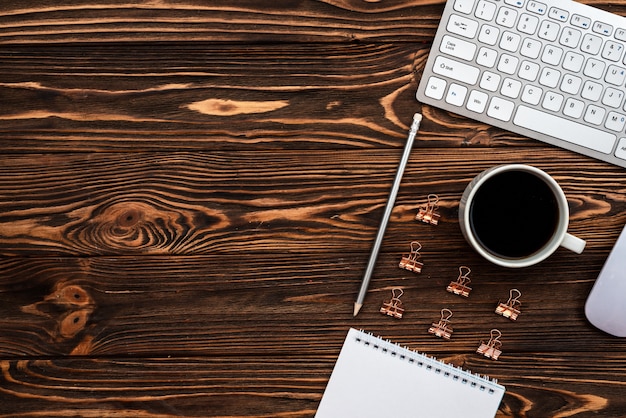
{"type": "Point", "coordinates": [188, 196]}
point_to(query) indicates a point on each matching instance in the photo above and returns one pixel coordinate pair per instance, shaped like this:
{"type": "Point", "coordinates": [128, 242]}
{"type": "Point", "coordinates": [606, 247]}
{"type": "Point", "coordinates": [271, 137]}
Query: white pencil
{"type": "Point", "coordinates": [417, 118]}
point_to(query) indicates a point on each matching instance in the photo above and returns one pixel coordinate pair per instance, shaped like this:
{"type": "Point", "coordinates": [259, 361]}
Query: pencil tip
{"type": "Point", "coordinates": [357, 308]}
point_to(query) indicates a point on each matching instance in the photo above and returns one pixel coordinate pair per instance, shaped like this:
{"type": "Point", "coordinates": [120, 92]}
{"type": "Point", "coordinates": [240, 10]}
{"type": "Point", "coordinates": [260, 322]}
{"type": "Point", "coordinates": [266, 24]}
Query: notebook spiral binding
{"type": "Point", "coordinates": [427, 361]}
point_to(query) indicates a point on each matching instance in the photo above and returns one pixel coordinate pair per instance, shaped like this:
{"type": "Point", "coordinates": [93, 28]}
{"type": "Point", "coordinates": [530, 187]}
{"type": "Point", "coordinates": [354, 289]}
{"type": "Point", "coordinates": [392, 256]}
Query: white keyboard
{"type": "Point", "coordinates": [551, 70]}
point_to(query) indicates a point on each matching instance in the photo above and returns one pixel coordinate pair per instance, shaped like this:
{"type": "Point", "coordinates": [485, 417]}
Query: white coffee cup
{"type": "Point", "coordinates": [516, 215]}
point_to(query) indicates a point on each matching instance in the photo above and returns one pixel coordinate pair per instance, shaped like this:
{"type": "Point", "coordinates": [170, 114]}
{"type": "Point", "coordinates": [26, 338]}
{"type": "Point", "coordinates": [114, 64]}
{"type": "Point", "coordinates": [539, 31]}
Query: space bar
{"type": "Point", "coordinates": [564, 129]}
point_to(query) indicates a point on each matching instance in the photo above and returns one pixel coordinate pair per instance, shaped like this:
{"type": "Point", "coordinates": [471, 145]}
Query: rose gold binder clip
{"type": "Point", "coordinates": [510, 309]}
{"type": "Point", "coordinates": [442, 329]}
{"type": "Point", "coordinates": [492, 348]}
{"type": "Point", "coordinates": [411, 261]}
{"type": "Point", "coordinates": [428, 213]}
{"type": "Point", "coordinates": [393, 307]}
{"type": "Point", "coordinates": [461, 285]}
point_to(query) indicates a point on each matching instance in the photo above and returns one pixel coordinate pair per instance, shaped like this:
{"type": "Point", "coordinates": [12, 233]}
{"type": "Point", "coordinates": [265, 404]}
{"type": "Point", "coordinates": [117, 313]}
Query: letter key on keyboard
{"type": "Point", "coordinates": [553, 70]}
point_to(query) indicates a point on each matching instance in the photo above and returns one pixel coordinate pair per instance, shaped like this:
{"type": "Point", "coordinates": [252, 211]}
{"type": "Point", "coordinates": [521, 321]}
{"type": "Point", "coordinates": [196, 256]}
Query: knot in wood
{"type": "Point", "coordinates": [73, 308]}
{"type": "Point", "coordinates": [71, 295]}
{"type": "Point", "coordinates": [74, 322]}
{"type": "Point", "coordinates": [129, 218]}
{"type": "Point", "coordinates": [132, 225]}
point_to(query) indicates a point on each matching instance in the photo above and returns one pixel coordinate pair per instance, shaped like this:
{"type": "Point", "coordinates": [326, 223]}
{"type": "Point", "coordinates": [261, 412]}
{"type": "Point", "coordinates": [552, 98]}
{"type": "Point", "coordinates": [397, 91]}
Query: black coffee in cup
{"type": "Point", "coordinates": [514, 214]}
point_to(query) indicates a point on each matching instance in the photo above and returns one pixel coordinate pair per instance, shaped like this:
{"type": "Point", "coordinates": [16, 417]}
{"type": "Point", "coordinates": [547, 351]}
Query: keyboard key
{"type": "Point", "coordinates": [570, 37]}
{"type": "Point", "coordinates": [511, 88]}
{"type": "Point", "coordinates": [506, 17]}
{"type": "Point", "coordinates": [500, 109]}
{"type": "Point", "coordinates": [490, 81]}
{"type": "Point", "coordinates": [594, 114]}
{"type": "Point", "coordinates": [571, 84]}
{"type": "Point", "coordinates": [613, 97]}
{"type": "Point", "coordinates": [531, 48]}
{"type": "Point", "coordinates": [549, 77]}
{"type": "Point", "coordinates": [612, 51]}
{"type": "Point", "coordinates": [435, 88]}
{"type": "Point", "coordinates": [591, 44]}
{"type": "Point", "coordinates": [488, 35]}
{"type": "Point", "coordinates": [549, 30]}
{"type": "Point", "coordinates": [602, 28]}
{"type": "Point", "coordinates": [515, 3]}
{"type": "Point", "coordinates": [620, 34]}
{"type": "Point", "coordinates": [620, 152]}
{"type": "Point", "coordinates": [552, 101]}
{"type": "Point", "coordinates": [591, 91]}
{"type": "Point", "coordinates": [581, 21]}
{"type": "Point", "coordinates": [558, 14]}
{"type": "Point", "coordinates": [573, 61]}
{"type": "Point", "coordinates": [528, 70]}
{"type": "Point", "coordinates": [487, 57]}
{"type": "Point", "coordinates": [537, 7]}
{"type": "Point", "coordinates": [464, 6]}
{"type": "Point", "coordinates": [462, 26]}
{"type": "Point", "coordinates": [552, 55]}
{"type": "Point", "coordinates": [532, 94]}
{"type": "Point", "coordinates": [564, 129]}
{"type": "Point", "coordinates": [615, 122]}
{"type": "Point", "coordinates": [456, 94]}
{"type": "Point", "coordinates": [456, 70]}
{"type": "Point", "coordinates": [508, 64]}
{"type": "Point", "coordinates": [477, 101]}
{"type": "Point", "coordinates": [594, 68]}
{"type": "Point", "coordinates": [510, 41]}
{"type": "Point", "coordinates": [528, 24]}
{"type": "Point", "coordinates": [485, 10]}
{"type": "Point", "coordinates": [457, 48]}
{"type": "Point", "coordinates": [615, 75]}
{"type": "Point", "coordinates": [574, 108]}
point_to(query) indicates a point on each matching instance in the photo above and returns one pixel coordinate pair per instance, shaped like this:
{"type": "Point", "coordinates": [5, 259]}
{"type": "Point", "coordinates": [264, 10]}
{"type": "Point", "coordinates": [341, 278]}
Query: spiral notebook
{"type": "Point", "coordinates": [375, 378]}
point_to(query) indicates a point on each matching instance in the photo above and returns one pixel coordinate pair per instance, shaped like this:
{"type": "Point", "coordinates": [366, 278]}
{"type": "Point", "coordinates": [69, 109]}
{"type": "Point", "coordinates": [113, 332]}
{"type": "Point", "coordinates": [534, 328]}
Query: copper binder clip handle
{"type": "Point", "coordinates": [428, 213]}
{"type": "Point", "coordinates": [410, 262]}
{"type": "Point", "coordinates": [442, 328]}
{"type": "Point", "coordinates": [393, 307]}
{"type": "Point", "coordinates": [510, 309]}
{"type": "Point", "coordinates": [461, 285]}
{"type": "Point", "coordinates": [491, 349]}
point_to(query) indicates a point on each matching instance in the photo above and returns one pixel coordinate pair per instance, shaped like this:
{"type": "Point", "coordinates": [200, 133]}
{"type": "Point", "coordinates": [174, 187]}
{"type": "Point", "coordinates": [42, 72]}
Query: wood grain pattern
{"type": "Point", "coordinates": [266, 387]}
{"type": "Point", "coordinates": [189, 192]}
{"type": "Point", "coordinates": [210, 299]}
{"type": "Point", "coordinates": [221, 97]}
{"type": "Point", "coordinates": [120, 21]}
{"type": "Point", "coordinates": [142, 311]}
{"type": "Point", "coordinates": [217, 21]}
{"type": "Point", "coordinates": [205, 97]}
{"type": "Point", "coordinates": [249, 202]}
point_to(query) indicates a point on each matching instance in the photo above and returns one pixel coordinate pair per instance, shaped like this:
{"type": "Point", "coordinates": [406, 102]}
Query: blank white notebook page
{"type": "Point", "coordinates": [375, 378]}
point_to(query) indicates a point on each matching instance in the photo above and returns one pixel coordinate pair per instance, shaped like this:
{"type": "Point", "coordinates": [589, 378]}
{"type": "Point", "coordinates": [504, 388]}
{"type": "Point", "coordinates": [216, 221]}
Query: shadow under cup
{"type": "Point", "coordinates": [514, 215]}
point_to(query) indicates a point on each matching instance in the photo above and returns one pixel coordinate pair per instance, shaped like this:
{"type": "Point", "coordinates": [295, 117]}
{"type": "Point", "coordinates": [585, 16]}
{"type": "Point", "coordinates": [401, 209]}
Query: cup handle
{"type": "Point", "coordinates": [573, 243]}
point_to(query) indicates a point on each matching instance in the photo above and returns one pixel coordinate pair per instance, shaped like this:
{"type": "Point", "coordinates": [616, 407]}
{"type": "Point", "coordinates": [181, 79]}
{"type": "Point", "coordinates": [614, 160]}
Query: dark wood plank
{"type": "Point", "coordinates": [266, 333]}
{"type": "Point", "coordinates": [84, 21]}
{"type": "Point", "coordinates": [205, 97]}
{"type": "Point", "coordinates": [211, 97]}
{"type": "Point", "coordinates": [268, 387]}
{"type": "Point", "coordinates": [248, 21]}
{"type": "Point", "coordinates": [200, 203]}
{"type": "Point", "coordinates": [212, 305]}
{"type": "Point", "coordinates": [265, 386]}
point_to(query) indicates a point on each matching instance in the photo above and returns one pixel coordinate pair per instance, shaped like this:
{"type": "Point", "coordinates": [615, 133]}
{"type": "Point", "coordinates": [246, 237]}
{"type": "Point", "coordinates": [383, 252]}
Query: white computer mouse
{"type": "Point", "coordinates": [605, 307]}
